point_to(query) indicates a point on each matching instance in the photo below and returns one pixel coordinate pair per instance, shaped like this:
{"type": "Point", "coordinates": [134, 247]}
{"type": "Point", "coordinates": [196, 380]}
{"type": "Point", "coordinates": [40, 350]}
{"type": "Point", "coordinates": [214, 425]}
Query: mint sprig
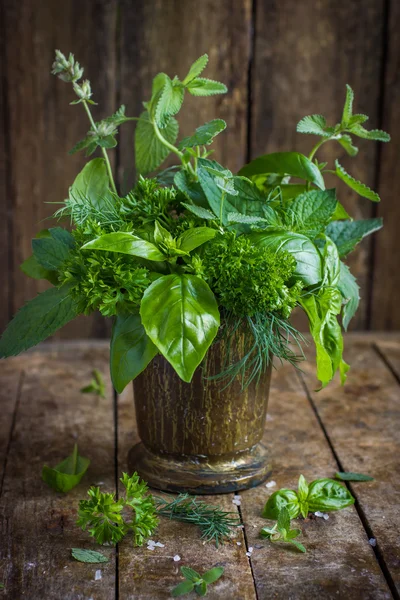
{"type": "Point", "coordinates": [195, 581]}
{"type": "Point", "coordinates": [282, 532]}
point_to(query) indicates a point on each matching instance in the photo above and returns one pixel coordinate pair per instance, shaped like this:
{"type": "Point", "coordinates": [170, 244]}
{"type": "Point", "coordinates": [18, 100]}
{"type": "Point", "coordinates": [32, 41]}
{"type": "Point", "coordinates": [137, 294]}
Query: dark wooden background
{"type": "Point", "coordinates": [281, 59]}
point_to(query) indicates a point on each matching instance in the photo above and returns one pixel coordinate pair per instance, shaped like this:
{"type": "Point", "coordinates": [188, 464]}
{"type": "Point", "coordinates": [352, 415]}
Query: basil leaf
{"type": "Point", "coordinates": [285, 163]}
{"type": "Point", "coordinates": [125, 243]}
{"type": "Point", "coordinates": [350, 291]}
{"type": "Point", "coordinates": [308, 258]}
{"type": "Point", "coordinates": [92, 184]}
{"type": "Point", "coordinates": [192, 238]}
{"type": "Point", "coordinates": [37, 320]}
{"type": "Point", "coordinates": [353, 476]}
{"type": "Point", "coordinates": [328, 494]}
{"type": "Point", "coordinates": [68, 473]}
{"type": "Point", "coordinates": [131, 350]}
{"type": "Point", "coordinates": [331, 263]}
{"type": "Point", "coordinates": [180, 315]}
{"type": "Point", "coordinates": [302, 488]}
{"type": "Point", "coordinates": [213, 574]}
{"type": "Point", "coordinates": [182, 588]}
{"type": "Point", "coordinates": [282, 499]}
{"type": "Point", "coordinates": [88, 556]}
{"type": "Point", "coordinates": [347, 234]}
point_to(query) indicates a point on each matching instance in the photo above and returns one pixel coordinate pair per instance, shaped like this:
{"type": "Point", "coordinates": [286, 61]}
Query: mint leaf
{"type": "Point", "coordinates": [182, 588]}
{"type": "Point", "coordinates": [346, 142]}
{"type": "Point", "coordinates": [284, 519]}
{"type": "Point", "coordinates": [347, 234]}
{"type": "Point", "coordinates": [348, 476]}
{"type": "Point", "coordinates": [34, 269]}
{"type": "Point", "coordinates": [348, 105]}
{"type": "Point", "coordinates": [37, 320]}
{"type": "Point", "coordinates": [350, 291]}
{"type": "Point", "coordinates": [169, 103]}
{"type": "Point", "coordinates": [190, 574]}
{"type": "Point", "coordinates": [313, 124]}
{"type": "Point", "coordinates": [361, 189]}
{"type": "Point", "coordinates": [150, 153]}
{"type": "Point", "coordinates": [206, 87]}
{"type": "Point", "coordinates": [51, 251]}
{"type": "Point", "coordinates": [96, 386]}
{"type": "Point", "coordinates": [312, 211]}
{"type": "Point", "coordinates": [213, 574]}
{"type": "Point", "coordinates": [131, 350]}
{"type": "Point", "coordinates": [203, 135]}
{"type": "Point", "coordinates": [199, 211]}
{"type": "Point", "coordinates": [373, 134]}
{"type": "Point", "coordinates": [298, 545]}
{"type": "Point", "coordinates": [67, 474]}
{"type": "Point", "coordinates": [88, 556]}
{"type": "Point", "coordinates": [196, 69]}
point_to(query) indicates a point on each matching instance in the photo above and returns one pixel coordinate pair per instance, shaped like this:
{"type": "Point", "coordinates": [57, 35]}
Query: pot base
{"type": "Point", "coordinates": [200, 475]}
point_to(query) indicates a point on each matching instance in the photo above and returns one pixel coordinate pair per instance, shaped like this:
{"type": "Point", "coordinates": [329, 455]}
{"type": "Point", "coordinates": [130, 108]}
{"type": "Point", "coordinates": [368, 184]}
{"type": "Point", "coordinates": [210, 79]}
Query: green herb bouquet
{"type": "Point", "coordinates": [195, 254]}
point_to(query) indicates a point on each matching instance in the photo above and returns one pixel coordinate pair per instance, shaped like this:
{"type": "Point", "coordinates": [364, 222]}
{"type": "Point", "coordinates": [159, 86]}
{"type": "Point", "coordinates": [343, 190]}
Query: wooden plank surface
{"type": "Point", "coordinates": [385, 313]}
{"type": "Point", "coordinates": [305, 53]}
{"type": "Point", "coordinates": [43, 127]}
{"type": "Point", "coordinates": [149, 575]}
{"type": "Point", "coordinates": [339, 561]}
{"type": "Point", "coordinates": [361, 421]}
{"type": "Point", "coordinates": [11, 377]}
{"type": "Point", "coordinates": [169, 36]}
{"type": "Point", "coordinates": [37, 525]}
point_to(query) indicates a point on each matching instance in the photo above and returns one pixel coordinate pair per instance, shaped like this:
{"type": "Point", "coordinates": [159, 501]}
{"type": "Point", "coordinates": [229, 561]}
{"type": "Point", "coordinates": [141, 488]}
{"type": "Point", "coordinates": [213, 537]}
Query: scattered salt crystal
{"type": "Point", "coordinates": [177, 558]}
{"type": "Point", "coordinates": [97, 575]}
{"type": "Point", "coordinates": [250, 552]}
{"type": "Point", "coordinates": [372, 541]}
{"type": "Point", "coordinates": [270, 484]}
{"type": "Point", "coordinates": [236, 500]}
{"type": "Point", "coordinates": [238, 543]}
{"type": "Point", "coordinates": [321, 514]}
{"type": "Point", "coordinates": [269, 418]}
{"type": "Point", "coordinates": [160, 545]}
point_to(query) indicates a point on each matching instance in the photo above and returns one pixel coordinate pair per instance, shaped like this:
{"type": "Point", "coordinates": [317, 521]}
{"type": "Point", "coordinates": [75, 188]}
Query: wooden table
{"type": "Point", "coordinates": [355, 428]}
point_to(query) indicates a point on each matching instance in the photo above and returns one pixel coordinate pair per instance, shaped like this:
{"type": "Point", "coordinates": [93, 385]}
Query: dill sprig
{"type": "Point", "coordinates": [213, 522]}
{"type": "Point", "coordinates": [264, 336]}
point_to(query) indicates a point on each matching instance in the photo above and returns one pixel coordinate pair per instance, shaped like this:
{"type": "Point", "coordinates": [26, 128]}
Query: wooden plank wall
{"type": "Point", "coordinates": [280, 59]}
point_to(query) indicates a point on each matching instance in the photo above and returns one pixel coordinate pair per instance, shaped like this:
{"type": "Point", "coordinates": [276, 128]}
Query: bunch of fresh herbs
{"type": "Point", "coordinates": [195, 250]}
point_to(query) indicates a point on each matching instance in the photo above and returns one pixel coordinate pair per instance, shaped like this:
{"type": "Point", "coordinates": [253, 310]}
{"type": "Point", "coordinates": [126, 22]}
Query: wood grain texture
{"type": "Point", "coordinates": [385, 314]}
{"type": "Point", "coordinates": [305, 53]}
{"type": "Point", "coordinates": [361, 420]}
{"type": "Point", "coordinates": [42, 126]}
{"type": "Point", "coordinates": [168, 36]}
{"type": "Point", "coordinates": [11, 376]}
{"type": "Point", "coordinates": [37, 525]}
{"type": "Point", "coordinates": [150, 575]}
{"type": "Point", "coordinates": [339, 561]}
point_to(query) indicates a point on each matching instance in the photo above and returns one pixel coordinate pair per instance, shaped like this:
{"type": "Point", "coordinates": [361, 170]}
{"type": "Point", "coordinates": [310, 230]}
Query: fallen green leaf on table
{"type": "Point", "coordinates": [96, 386]}
{"type": "Point", "coordinates": [348, 476]}
{"type": "Point", "coordinates": [214, 523]}
{"type": "Point", "coordinates": [281, 531]}
{"type": "Point", "coordinates": [68, 473]}
{"type": "Point", "coordinates": [101, 514]}
{"type": "Point", "coordinates": [320, 495]}
{"type": "Point", "coordinates": [88, 556]}
{"type": "Point", "coordinates": [195, 581]}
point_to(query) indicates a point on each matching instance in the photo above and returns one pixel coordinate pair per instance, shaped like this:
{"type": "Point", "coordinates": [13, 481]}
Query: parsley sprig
{"type": "Point", "coordinates": [102, 513]}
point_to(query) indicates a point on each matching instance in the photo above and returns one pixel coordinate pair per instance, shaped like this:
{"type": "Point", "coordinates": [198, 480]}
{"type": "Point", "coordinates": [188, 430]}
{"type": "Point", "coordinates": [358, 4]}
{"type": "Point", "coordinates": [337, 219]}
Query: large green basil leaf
{"type": "Point", "coordinates": [285, 163]}
{"type": "Point", "coordinates": [125, 243]}
{"type": "Point", "coordinates": [281, 499]}
{"type": "Point", "coordinates": [51, 250]}
{"type": "Point", "coordinates": [328, 494]}
{"type": "Point", "coordinates": [330, 263]}
{"type": "Point", "coordinates": [180, 315]}
{"type": "Point", "coordinates": [313, 210]}
{"type": "Point", "coordinates": [131, 350]}
{"type": "Point", "coordinates": [37, 320]}
{"type": "Point", "coordinates": [347, 234]}
{"type": "Point", "coordinates": [92, 185]}
{"type": "Point", "coordinates": [322, 311]}
{"type": "Point", "coordinates": [308, 258]}
{"type": "Point", "coordinates": [350, 291]}
{"type": "Point", "coordinates": [193, 238]}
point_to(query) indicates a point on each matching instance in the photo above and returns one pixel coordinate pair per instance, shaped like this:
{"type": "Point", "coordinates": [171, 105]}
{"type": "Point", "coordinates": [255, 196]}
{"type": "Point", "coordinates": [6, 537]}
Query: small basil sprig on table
{"type": "Point", "coordinates": [96, 386]}
{"type": "Point", "coordinates": [281, 531]}
{"type": "Point", "coordinates": [68, 473]}
{"type": "Point", "coordinates": [321, 494]}
{"type": "Point", "coordinates": [195, 581]}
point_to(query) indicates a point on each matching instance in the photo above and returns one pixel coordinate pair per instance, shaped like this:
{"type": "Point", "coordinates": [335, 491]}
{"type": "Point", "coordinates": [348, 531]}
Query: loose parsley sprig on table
{"type": "Point", "coordinates": [102, 513]}
{"type": "Point", "coordinates": [195, 581]}
{"type": "Point", "coordinates": [215, 524]}
{"type": "Point", "coordinates": [281, 531]}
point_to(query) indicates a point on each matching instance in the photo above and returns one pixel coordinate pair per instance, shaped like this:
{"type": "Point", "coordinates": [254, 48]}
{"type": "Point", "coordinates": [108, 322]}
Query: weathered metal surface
{"type": "Point", "coordinates": [200, 436]}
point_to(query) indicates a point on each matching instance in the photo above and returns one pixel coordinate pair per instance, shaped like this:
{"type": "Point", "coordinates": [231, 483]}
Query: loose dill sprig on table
{"type": "Point", "coordinates": [214, 523]}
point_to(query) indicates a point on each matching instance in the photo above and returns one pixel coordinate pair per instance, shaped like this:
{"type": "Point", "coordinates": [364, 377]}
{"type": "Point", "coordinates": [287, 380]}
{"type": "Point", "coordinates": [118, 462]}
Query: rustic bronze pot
{"type": "Point", "coordinates": [198, 437]}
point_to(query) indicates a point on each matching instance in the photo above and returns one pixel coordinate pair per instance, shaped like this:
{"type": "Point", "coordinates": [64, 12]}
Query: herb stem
{"type": "Point", "coordinates": [317, 147]}
{"type": "Point", "coordinates": [103, 150]}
